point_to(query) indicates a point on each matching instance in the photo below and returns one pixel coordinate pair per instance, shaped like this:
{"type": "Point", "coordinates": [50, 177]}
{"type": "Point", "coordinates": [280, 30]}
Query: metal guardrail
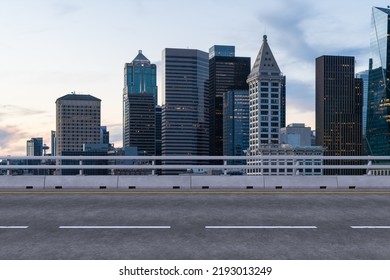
{"type": "Point", "coordinates": [189, 157]}
{"type": "Point", "coordinates": [296, 163]}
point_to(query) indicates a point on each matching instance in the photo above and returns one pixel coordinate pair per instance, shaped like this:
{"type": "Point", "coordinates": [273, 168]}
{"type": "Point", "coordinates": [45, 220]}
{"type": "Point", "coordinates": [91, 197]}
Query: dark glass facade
{"type": "Point", "coordinates": [158, 130]}
{"type": "Point", "coordinates": [185, 108]}
{"type": "Point", "coordinates": [140, 124]}
{"type": "Point", "coordinates": [226, 72]}
{"type": "Point", "coordinates": [339, 98]}
{"type": "Point", "coordinates": [35, 147]}
{"type": "Point", "coordinates": [378, 104]}
{"type": "Point", "coordinates": [219, 50]}
{"type": "Point", "coordinates": [236, 124]}
{"type": "Point", "coordinates": [104, 135]}
{"type": "Point", "coordinates": [139, 102]}
{"type": "Point", "coordinates": [140, 76]}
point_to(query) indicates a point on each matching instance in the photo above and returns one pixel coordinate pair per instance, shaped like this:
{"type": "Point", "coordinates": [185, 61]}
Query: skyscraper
{"type": "Point", "coordinates": [139, 102]}
{"type": "Point", "coordinates": [185, 112]}
{"type": "Point", "coordinates": [53, 142]}
{"type": "Point", "coordinates": [104, 135]}
{"type": "Point", "coordinates": [140, 76]}
{"type": "Point", "coordinates": [77, 122]}
{"type": "Point", "coordinates": [339, 98]}
{"type": "Point", "coordinates": [158, 129]}
{"type": "Point", "coordinates": [226, 72]}
{"type": "Point", "coordinates": [267, 100]}
{"type": "Point", "coordinates": [378, 104]}
{"type": "Point", "coordinates": [35, 147]}
{"type": "Point", "coordinates": [236, 123]}
{"type": "Point", "coordinates": [364, 76]}
{"type": "Point", "coordinates": [77, 127]}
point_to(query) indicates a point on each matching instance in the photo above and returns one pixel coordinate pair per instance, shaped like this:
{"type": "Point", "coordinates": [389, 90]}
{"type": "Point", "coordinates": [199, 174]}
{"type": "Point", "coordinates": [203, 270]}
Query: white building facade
{"type": "Point", "coordinates": [267, 97]}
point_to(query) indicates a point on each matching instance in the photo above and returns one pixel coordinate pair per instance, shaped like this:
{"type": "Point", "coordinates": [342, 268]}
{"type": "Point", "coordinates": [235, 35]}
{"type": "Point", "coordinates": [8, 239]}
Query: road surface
{"type": "Point", "coordinates": [190, 225]}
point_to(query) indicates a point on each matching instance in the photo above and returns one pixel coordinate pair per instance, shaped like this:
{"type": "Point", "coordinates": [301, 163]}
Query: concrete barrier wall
{"type": "Point", "coordinates": [300, 182]}
{"type": "Point", "coordinates": [195, 182]}
{"type": "Point", "coordinates": [63, 182]}
{"type": "Point", "coordinates": [203, 182]}
{"type": "Point", "coordinates": [25, 182]}
{"type": "Point", "coordinates": [363, 181]}
{"type": "Point", "coordinates": [149, 181]}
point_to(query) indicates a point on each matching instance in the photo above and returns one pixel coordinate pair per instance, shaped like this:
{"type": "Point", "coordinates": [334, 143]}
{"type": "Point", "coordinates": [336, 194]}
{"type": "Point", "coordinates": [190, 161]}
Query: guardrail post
{"type": "Point", "coordinates": [81, 170]}
{"type": "Point", "coordinates": [296, 171]}
{"type": "Point", "coordinates": [369, 171]}
{"type": "Point", "coordinates": [225, 170]}
{"type": "Point", "coordinates": [8, 170]}
{"type": "Point", "coordinates": [153, 170]}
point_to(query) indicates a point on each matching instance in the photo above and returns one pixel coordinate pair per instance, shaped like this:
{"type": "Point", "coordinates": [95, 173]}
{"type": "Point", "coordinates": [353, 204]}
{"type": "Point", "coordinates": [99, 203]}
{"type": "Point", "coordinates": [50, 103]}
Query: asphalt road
{"type": "Point", "coordinates": [300, 226]}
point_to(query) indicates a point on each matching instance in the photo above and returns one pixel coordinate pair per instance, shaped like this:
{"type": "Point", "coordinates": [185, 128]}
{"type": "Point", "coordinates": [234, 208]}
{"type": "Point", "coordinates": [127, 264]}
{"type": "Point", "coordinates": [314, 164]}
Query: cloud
{"type": "Point", "coordinates": [294, 55]}
{"type": "Point", "coordinates": [300, 31]}
{"type": "Point", "coordinates": [116, 134]}
{"type": "Point", "coordinates": [11, 140]}
{"type": "Point", "coordinates": [14, 110]}
{"type": "Point", "coordinates": [283, 27]}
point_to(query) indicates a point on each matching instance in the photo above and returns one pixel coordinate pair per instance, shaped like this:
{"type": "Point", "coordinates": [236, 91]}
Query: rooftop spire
{"type": "Point", "coordinates": [140, 58]}
{"type": "Point", "coordinates": [265, 61]}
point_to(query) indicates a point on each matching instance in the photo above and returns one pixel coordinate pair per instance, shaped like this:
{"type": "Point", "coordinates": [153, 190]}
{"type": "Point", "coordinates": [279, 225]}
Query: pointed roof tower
{"type": "Point", "coordinates": [140, 59]}
{"type": "Point", "coordinates": [387, 11]}
{"type": "Point", "coordinates": [265, 62]}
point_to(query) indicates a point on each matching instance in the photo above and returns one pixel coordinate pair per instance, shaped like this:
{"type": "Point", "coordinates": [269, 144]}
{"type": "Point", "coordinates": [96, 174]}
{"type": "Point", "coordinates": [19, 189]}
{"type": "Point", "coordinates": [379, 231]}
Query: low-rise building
{"type": "Point", "coordinates": [289, 165]}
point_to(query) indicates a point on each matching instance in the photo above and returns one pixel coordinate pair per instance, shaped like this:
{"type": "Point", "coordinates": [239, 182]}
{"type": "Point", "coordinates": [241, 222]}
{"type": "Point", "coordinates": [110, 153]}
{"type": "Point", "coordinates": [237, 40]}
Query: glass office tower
{"type": "Point", "coordinates": [338, 106]}
{"type": "Point", "coordinates": [34, 147]}
{"type": "Point", "coordinates": [226, 72]}
{"type": "Point", "coordinates": [236, 124]}
{"type": "Point", "coordinates": [185, 107]}
{"type": "Point", "coordinates": [139, 102]}
{"type": "Point", "coordinates": [364, 76]}
{"type": "Point", "coordinates": [339, 98]}
{"type": "Point", "coordinates": [140, 76]}
{"type": "Point", "coordinates": [378, 111]}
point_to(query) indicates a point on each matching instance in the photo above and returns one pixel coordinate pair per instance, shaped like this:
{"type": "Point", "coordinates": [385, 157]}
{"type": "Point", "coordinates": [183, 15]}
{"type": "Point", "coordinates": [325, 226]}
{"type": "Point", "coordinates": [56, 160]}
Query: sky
{"type": "Point", "coordinates": [50, 48]}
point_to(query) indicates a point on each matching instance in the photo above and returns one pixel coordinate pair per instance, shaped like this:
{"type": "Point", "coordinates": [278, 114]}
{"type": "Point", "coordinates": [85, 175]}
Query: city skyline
{"type": "Point", "coordinates": [51, 48]}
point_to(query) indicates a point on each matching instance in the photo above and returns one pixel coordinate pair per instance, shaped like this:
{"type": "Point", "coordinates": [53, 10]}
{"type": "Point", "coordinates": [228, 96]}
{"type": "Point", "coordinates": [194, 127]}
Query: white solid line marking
{"type": "Point", "coordinates": [114, 227]}
{"type": "Point", "coordinates": [261, 227]}
{"type": "Point", "coordinates": [364, 227]}
{"type": "Point", "coordinates": [13, 227]}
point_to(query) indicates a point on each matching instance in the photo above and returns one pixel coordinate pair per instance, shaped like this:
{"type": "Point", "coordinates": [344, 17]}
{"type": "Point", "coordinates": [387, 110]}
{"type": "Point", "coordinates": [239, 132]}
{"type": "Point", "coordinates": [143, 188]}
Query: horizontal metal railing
{"type": "Point", "coordinates": [189, 157]}
{"type": "Point", "coordinates": [293, 162]}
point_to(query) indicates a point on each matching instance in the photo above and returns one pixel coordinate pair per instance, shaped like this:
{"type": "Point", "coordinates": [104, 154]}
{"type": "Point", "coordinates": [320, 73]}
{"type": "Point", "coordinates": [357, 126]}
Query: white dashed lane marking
{"type": "Point", "coordinates": [115, 227]}
{"type": "Point", "coordinates": [261, 227]}
{"type": "Point", "coordinates": [13, 227]}
{"type": "Point", "coordinates": [370, 227]}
